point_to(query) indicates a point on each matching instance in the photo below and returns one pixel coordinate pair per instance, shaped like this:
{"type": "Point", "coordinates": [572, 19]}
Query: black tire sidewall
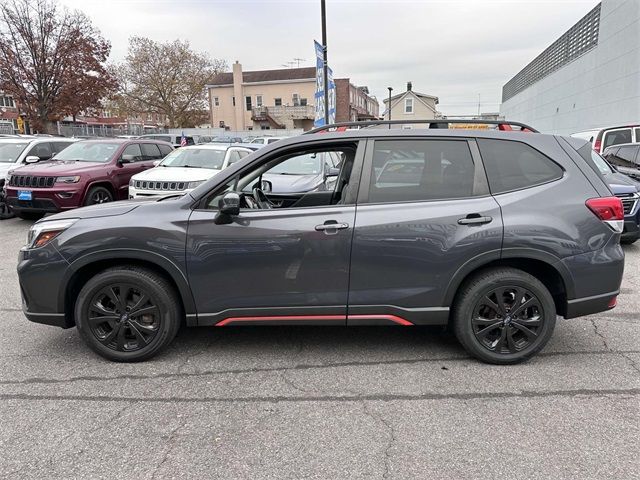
{"type": "Point", "coordinates": [165, 300]}
{"type": "Point", "coordinates": [92, 190]}
{"type": "Point", "coordinates": [477, 289]}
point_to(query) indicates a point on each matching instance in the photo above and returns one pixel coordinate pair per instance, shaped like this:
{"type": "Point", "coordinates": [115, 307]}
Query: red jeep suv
{"type": "Point", "coordinates": [85, 173]}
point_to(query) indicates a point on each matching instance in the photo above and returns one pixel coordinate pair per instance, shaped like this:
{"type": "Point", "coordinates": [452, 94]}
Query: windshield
{"type": "Point", "coordinates": [9, 152]}
{"type": "Point", "coordinates": [195, 157]}
{"type": "Point", "coordinates": [89, 152]}
{"type": "Point", "coordinates": [308, 164]}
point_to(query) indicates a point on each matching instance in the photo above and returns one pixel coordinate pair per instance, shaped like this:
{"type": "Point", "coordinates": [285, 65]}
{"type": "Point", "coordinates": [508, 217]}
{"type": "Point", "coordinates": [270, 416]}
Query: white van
{"type": "Point", "coordinates": [602, 138]}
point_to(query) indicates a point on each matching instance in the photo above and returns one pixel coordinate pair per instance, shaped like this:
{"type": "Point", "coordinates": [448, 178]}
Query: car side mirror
{"type": "Point", "coordinates": [266, 186]}
{"type": "Point", "coordinates": [32, 159]}
{"type": "Point", "coordinates": [127, 159]}
{"type": "Point", "coordinates": [333, 172]}
{"type": "Point", "coordinates": [228, 206]}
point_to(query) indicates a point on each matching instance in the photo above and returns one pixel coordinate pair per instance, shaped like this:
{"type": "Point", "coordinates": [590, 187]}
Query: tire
{"type": "Point", "coordinates": [506, 340]}
{"type": "Point", "coordinates": [97, 195]}
{"type": "Point", "coordinates": [110, 333]}
{"type": "Point", "coordinates": [628, 241]}
{"type": "Point", "coordinates": [30, 215]}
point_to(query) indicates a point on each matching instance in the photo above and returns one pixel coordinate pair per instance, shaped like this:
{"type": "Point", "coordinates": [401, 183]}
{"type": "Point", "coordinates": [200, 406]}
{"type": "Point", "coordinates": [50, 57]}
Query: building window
{"type": "Point", "coordinates": [408, 105]}
{"type": "Point", "coordinates": [258, 100]}
{"type": "Point", "coordinates": [233, 101]}
{"type": "Point", "coordinates": [216, 102]}
{"type": "Point", "coordinates": [247, 101]}
{"type": "Point", "coordinates": [296, 100]}
{"type": "Point", "coordinates": [265, 127]}
{"type": "Point", "coordinates": [277, 102]}
{"type": "Point", "coordinates": [6, 102]}
{"type": "Point", "coordinates": [303, 102]}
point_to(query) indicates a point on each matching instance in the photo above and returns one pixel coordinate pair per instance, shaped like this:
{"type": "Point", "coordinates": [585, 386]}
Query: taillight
{"type": "Point", "coordinates": [609, 210]}
{"type": "Point", "coordinates": [596, 145]}
{"type": "Point", "coordinates": [613, 302]}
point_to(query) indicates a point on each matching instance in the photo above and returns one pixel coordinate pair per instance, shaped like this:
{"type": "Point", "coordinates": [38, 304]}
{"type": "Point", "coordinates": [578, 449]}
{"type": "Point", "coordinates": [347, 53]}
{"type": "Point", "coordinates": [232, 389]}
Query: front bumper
{"type": "Point", "coordinates": [631, 230]}
{"type": "Point", "coordinates": [39, 273]}
{"type": "Point", "coordinates": [144, 193]}
{"type": "Point", "coordinates": [49, 200]}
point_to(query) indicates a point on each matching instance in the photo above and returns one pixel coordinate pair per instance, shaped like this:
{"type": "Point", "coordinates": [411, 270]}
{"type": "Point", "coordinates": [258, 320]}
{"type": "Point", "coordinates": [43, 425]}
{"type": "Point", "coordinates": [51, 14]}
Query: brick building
{"type": "Point", "coordinates": [8, 114]}
{"type": "Point", "coordinates": [354, 103]}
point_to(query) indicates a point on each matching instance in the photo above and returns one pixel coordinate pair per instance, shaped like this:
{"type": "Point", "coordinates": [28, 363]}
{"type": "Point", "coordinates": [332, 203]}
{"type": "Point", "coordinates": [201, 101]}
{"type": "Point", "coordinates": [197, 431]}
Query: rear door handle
{"type": "Point", "coordinates": [474, 219]}
{"type": "Point", "coordinates": [331, 227]}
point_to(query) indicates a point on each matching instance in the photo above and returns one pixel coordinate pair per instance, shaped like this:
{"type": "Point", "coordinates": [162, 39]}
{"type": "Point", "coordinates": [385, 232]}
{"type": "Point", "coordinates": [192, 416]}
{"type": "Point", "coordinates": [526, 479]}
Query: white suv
{"type": "Point", "coordinates": [185, 168]}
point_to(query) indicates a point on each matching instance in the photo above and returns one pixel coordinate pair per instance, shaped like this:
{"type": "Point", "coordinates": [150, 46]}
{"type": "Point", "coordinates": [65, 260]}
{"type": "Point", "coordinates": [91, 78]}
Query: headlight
{"type": "Point", "coordinates": [75, 179]}
{"type": "Point", "coordinates": [191, 185]}
{"type": "Point", "coordinates": [132, 182]}
{"type": "Point", "coordinates": [42, 233]}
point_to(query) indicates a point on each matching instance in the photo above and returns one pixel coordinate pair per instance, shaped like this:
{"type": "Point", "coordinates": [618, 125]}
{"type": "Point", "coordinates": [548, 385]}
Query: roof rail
{"type": "Point", "coordinates": [438, 123]}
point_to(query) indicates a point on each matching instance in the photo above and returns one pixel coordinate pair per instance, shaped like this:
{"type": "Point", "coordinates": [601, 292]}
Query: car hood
{"type": "Point", "coordinates": [58, 167]}
{"type": "Point", "coordinates": [292, 183]}
{"type": "Point", "coordinates": [5, 167]}
{"type": "Point", "coordinates": [176, 174]}
{"type": "Point", "coordinates": [619, 183]}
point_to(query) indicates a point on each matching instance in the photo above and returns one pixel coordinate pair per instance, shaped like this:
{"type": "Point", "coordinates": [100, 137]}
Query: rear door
{"type": "Point", "coordinates": [424, 214]}
{"type": "Point", "coordinates": [124, 171]}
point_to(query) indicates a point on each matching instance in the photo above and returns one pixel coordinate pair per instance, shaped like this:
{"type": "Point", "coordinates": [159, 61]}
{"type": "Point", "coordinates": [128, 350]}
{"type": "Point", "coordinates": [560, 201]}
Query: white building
{"type": "Point", "coordinates": [588, 78]}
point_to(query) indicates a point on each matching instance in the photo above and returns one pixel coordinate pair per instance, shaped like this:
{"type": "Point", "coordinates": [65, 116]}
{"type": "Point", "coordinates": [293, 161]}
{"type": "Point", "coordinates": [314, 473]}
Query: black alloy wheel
{"type": "Point", "coordinates": [124, 317]}
{"type": "Point", "coordinates": [128, 313]}
{"type": "Point", "coordinates": [507, 319]}
{"type": "Point", "coordinates": [97, 196]}
{"type": "Point", "coordinates": [503, 315]}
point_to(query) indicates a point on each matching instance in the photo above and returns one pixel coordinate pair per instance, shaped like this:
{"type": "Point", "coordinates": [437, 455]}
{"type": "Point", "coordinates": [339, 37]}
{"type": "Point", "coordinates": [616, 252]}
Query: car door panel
{"type": "Point", "coordinates": [271, 265]}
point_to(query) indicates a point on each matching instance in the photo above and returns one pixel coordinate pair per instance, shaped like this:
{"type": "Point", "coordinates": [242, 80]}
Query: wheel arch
{"type": "Point", "coordinates": [99, 183]}
{"type": "Point", "coordinates": [88, 266]}
{"type": "Point", "coordinates": [544, 266]}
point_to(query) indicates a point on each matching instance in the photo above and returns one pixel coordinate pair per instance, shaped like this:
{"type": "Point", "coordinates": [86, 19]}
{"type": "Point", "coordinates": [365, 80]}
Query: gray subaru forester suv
{"type": "Point", "coordinates": [491, 232]}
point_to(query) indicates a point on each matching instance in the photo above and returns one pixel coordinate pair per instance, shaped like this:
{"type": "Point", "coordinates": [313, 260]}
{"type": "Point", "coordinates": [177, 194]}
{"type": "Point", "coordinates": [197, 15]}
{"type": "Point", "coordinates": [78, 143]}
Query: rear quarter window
{"type": "Point", "coordinates": [514, 165]}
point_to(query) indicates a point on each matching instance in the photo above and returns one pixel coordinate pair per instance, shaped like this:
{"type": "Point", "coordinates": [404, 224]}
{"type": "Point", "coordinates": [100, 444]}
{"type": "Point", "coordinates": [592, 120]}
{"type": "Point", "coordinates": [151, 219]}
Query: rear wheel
{"type": "Point", "coordinates": [504, 316]}
{"type": "Point", "coordinates": [127, 314]}
{"type": "Point", "coordinates": [97, 195]}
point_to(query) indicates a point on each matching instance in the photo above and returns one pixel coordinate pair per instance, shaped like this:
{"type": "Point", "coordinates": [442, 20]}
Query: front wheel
{"type": "Point", "coordinates": [503, 316]}
{"type": "Point", "coordinates": [98, 195]}
{"type": "Point", "coordinates": [127, 314]}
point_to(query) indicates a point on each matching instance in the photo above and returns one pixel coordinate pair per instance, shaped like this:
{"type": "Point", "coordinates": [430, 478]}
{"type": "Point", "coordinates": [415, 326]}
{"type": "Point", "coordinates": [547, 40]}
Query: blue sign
{"type": "Point", "coordinates": [24, 195]}
{"type": "Point", "coordinates": [319, 96]}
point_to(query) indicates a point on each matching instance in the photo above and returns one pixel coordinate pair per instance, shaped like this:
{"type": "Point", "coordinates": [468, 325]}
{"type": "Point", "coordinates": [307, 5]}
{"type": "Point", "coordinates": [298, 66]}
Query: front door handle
{"type": "Point", "coordinates": [331, 227]}
{"type": "Point", "coordinates": [474, 219]}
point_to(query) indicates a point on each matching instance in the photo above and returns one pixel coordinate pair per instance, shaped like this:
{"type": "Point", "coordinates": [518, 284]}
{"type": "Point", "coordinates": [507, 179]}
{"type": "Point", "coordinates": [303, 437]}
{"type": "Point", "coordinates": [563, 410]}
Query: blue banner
{"type": "Point", "coordinates": [319, 96]}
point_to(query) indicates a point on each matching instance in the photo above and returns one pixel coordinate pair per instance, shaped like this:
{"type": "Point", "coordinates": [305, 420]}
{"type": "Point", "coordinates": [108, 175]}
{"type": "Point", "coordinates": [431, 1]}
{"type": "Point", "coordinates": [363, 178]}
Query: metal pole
{"type": "Point", "coordinates": [323, 14]}
{"type": "Point", "coordinates": [389, 107]}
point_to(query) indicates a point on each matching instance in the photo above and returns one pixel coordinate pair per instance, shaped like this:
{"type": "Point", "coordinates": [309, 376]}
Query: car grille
{"type": "Point", "coordinates": [31, 181]}
{"type": "Point", "coordinates": [145, 185]}
{"type": "Point", "coordinates": [628, 201]}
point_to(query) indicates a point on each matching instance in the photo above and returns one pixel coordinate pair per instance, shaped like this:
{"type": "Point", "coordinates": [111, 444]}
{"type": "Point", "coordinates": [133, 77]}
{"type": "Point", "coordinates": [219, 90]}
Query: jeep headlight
{"type": "Point", "coordinates": [191, 185]}
{"type": "Point", "coordinates": [74, 179]}
{"type": "Point", "coordinates": [41, 233]}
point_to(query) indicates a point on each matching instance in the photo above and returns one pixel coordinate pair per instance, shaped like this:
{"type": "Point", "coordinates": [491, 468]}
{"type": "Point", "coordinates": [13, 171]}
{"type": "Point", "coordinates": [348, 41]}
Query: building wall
{"type": "Point", "coordinates": [238, 117]}
{"type": "Point", "coordinates": [600, 88]}
{"type": "Point", "coordinates": [8, 114]}
{"type": "Point", "coordinates": [352, 103]}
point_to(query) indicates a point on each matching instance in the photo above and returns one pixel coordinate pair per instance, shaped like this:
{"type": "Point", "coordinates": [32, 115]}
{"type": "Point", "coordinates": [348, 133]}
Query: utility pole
{"type": "Point", "coordinates": [389, 107]}
{"type": "Point", "coordinates": [478, 105]}
{"type": "Point", "coordinates": [323, 14]}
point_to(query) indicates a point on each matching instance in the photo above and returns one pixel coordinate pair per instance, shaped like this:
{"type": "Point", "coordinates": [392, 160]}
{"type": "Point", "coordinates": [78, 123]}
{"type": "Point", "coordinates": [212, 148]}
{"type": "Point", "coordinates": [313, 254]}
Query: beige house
{"type": "Point", "coordinates": [263, 100]}
{"type": "Point", "coordinates": [412, 105]}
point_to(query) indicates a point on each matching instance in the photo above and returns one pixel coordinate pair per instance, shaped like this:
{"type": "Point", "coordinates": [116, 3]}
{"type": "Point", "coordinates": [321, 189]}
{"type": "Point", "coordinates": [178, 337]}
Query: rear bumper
{"type": "Point", "coordinates": [589, 305]}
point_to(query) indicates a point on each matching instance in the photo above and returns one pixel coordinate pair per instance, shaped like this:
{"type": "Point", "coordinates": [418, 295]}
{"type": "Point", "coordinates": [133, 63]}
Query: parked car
{"type": "Point", "coordinates": [174, 140]}
{"type": "Point", "coordinates": [184, 169]}
{"type": "Point", "coordinates": [606, 137]}
{"type": "Point", "coordinates": [202, 139]}
{"type": "Point", "coordinates": [226, 139]}
{"type": "Point", "coordinates": [312, 172]}
{"type": "Point", "coordinates": [627, 189]}
{"type": "Point", "coordinates": [266, 140]}
{"type": "Point", "coordinates": [625, 158]}
{"type": "Point", "coordinates": [503, 232]}
{"type": "Point", "coordinates": [86, 173]}
{"type": "Point", "coordinates": [17, 151]}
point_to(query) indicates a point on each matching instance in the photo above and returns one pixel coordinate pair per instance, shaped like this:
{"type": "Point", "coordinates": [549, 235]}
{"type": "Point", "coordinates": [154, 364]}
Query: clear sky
{"type": "Point", "coordinates": [455, 49]}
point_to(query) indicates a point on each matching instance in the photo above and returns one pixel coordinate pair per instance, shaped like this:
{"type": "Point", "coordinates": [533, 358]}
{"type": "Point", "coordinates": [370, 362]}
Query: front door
{"type": "Point", "coordinates": [424, 215]}
{"type": "Point", "coordinates": [285, 264]}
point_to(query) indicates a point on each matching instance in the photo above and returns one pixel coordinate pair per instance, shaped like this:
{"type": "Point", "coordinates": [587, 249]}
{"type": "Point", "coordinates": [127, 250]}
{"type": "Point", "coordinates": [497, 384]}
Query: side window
{"type": "Point", "coordinates": [626, 157]}
{"type": "Point", "coordinates": [57, 147]}
{"type": "Point", "coordinates": [616, 137]}
{"type": "Point", "coordinates": [515, 165]}
{"type": "Point", "coordinates": [41, 150]}
{"type": "Point", "coordinates": [234, 156]}
{"type": "Point", "coordinates": [637, 132]}
{"type": "Point", "coordinates": [150, 151]}
{"type": "Point", "coordinates": [132, 153]}
{"type": "Point", "coordinates": [417, 170]}
{"type": "Point", "coordinates": [165, 150]}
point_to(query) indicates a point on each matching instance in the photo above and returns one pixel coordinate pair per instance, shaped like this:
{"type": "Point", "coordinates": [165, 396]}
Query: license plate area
{"type": "Point", "coordinates": [25, 195]}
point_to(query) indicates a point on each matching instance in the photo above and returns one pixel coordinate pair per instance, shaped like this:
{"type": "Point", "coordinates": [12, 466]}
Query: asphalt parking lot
{"type": "Point", "coordinates": [319, 402]}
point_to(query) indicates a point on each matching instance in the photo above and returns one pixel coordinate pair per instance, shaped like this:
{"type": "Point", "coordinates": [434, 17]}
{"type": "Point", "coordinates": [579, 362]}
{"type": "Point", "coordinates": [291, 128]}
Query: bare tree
{"type": "Point", "coordinates": [52, 60]}
{"type": "Point", "coordinates": [168, 79]}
